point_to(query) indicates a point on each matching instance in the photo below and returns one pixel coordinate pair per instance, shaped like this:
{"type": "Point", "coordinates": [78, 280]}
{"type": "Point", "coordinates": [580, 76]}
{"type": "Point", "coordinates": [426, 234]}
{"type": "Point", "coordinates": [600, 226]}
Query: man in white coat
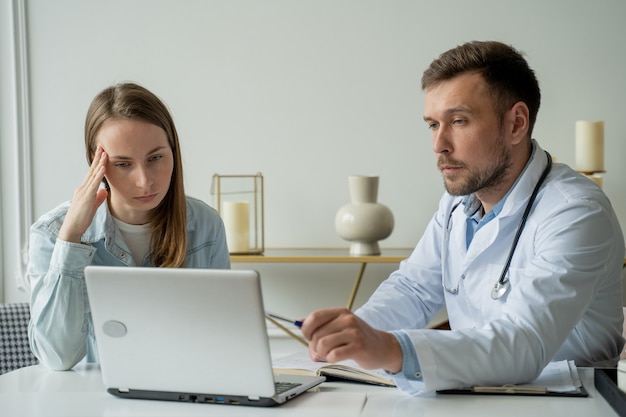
{"type": "Point", "coordinates": [526, 255]}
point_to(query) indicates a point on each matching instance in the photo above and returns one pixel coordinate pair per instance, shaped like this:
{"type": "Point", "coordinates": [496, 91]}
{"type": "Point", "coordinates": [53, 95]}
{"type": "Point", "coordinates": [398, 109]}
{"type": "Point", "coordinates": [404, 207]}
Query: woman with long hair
{"type": "Point", "coordinates": [130, 210]}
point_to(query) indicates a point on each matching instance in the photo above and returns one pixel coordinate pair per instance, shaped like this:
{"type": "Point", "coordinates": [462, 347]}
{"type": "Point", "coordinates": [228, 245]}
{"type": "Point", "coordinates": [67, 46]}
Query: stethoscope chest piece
{"type": "Point", "coordinates": [499, 289]}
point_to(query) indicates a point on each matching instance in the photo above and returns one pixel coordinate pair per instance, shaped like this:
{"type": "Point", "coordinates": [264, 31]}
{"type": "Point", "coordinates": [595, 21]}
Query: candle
{"type": "Point", "coordinates": [621, 375]}
{"type": "Point", "coordinates": [590, 146]}
{"type": "Point", "coordinates": [236, 217]}
{"type": "Point", "coordinates": [595, 178]}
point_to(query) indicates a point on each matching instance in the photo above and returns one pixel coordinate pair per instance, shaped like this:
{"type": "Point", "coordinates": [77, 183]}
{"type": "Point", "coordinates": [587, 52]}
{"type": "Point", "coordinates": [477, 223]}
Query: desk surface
{"type": "Point", "coordinates": [36, 391]}
{"type": "Point", "coordinates": [322, 255]}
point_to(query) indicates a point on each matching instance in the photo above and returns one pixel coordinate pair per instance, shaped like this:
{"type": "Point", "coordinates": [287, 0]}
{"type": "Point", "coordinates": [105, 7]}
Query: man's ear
{"type": "Point", "coordinates": [519, 122]}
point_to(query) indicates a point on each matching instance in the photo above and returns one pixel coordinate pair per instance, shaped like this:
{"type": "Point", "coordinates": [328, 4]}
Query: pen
{"type": "Point", "coordinates": [272, 318]}
{"type": "Point", "coordinates": [297, 323]}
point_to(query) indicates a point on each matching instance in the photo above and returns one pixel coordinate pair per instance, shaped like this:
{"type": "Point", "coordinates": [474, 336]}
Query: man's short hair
{"type": "Point", "coordinates": [504, 69]}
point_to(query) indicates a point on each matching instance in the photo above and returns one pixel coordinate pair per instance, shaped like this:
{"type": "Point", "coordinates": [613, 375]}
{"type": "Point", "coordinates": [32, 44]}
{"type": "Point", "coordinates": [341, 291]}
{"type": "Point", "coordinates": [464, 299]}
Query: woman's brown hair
{"type": "Point", "coordinates": [168, 223]}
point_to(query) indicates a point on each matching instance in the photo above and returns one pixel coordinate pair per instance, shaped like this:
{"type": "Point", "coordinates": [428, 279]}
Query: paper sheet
{"type": "Point", "coordinates": [559, 376]}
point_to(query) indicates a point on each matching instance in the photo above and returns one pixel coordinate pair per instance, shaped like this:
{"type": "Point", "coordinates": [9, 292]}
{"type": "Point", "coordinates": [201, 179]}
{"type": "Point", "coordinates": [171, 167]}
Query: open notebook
{"type": "Point", "coordinates": [299, 363]}
{"type": "Point", "coordinates": [195, 335]}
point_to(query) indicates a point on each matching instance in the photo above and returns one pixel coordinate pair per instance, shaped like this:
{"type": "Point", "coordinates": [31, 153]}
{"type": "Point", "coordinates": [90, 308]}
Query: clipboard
{"type": "Point", "coordinates": [558, 379]}
{"type": "Point", "coordinates": [510, 389]}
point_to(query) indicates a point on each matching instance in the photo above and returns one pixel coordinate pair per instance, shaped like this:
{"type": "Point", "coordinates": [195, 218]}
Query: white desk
{"type": "Point", "coordinates": [35, 391]}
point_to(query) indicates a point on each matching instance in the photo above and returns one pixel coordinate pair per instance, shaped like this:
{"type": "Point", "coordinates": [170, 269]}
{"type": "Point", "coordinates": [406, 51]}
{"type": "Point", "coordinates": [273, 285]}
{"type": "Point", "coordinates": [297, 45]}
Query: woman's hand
{"type": "Point", "coordinates": [87, 198]}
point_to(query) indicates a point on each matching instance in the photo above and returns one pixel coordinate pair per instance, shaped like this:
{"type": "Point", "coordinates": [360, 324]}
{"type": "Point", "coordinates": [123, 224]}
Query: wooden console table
{"type": "Point", "coordinates": [326, 256]}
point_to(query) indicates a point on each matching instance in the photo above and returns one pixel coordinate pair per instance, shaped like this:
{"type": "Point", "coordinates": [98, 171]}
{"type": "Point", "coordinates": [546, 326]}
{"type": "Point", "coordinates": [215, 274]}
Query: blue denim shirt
{"type": "Point", "coordinates": [61, 329]}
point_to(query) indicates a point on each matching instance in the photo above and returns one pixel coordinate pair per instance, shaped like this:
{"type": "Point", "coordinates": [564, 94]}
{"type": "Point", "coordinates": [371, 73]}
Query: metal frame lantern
{"type": "Point", "coordinates": [239, 200]}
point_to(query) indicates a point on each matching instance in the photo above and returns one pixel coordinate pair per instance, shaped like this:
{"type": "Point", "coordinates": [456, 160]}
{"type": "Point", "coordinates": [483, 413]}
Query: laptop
{"type": "Point", "coordinates": [190, 335]}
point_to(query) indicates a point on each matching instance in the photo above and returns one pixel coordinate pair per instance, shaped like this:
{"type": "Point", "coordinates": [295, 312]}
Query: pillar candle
{"type": "Point", "coordinates": [596, 178]}
{"type": "Point", "coordinates": [236, 217]}
{"type": "Point", "coordinates": [589, 146]}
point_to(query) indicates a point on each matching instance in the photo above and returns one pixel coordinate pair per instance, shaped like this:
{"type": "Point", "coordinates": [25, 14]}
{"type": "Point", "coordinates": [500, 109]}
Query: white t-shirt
{"type": "Point", "coordinates": [137, 237]}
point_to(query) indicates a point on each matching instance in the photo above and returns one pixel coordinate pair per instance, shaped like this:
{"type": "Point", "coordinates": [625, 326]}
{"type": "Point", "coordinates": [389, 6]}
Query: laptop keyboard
{"type": "Point", "coordinates": [285, 386]}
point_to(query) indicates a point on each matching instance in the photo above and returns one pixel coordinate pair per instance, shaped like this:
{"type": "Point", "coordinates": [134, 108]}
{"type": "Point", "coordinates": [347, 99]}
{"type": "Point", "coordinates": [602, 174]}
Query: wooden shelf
{"type": "Point", "coordinates": [321, 255]}
{"type": "Point", "coordinates": [326, 256]}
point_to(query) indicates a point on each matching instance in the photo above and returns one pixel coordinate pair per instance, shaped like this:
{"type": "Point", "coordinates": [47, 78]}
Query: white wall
{"type": "Point", "coordinates": [309, 92]}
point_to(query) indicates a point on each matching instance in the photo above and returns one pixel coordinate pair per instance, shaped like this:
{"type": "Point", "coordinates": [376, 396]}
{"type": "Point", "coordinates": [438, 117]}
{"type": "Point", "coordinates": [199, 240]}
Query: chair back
{"type": "Point", "coordinates": [14, 347]}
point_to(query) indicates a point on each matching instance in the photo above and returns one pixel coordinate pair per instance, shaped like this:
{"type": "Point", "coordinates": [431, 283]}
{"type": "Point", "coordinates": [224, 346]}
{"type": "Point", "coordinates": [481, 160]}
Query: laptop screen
{"type": "Point", "coordinates": [195, 330]}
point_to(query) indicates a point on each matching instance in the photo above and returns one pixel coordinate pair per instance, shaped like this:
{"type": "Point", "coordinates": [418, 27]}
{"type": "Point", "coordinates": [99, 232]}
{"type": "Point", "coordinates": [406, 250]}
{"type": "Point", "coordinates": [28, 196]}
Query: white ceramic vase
{"type": "Point", "coordinates": [364, 221]}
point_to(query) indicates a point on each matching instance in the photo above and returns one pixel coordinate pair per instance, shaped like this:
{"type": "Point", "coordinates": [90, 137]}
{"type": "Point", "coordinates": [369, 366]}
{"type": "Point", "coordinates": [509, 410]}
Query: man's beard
{"type": "Point", "coordinates": [486, 178]}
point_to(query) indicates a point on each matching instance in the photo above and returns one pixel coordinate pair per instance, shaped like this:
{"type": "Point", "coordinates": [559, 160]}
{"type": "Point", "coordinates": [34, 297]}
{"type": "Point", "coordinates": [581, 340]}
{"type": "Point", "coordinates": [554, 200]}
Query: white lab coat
{"type": "Point", "coordinates": [565, 299]}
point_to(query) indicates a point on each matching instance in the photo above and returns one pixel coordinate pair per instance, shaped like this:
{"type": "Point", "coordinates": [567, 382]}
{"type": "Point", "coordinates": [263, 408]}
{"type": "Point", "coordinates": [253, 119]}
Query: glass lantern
{"type": "Point", "coordinates": [239, 201]}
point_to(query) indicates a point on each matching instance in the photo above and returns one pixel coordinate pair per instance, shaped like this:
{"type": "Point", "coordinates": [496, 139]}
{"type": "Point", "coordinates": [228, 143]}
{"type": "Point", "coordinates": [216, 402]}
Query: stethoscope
{"type": "Point", "coordinates": [502, 285]}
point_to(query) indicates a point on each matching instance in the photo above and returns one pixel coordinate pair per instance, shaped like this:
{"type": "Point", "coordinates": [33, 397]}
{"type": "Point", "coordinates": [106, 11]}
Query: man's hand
{"type": "Point", "coordinates": [336, 334]}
